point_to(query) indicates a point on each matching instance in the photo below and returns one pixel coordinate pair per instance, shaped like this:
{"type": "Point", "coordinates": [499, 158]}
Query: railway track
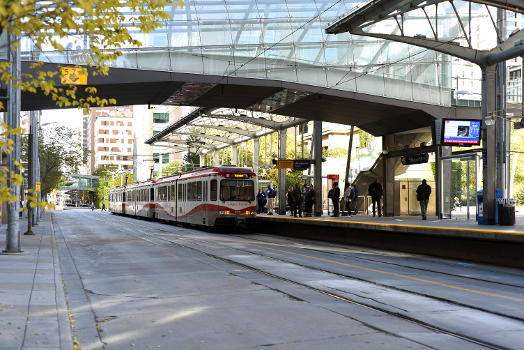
{"type": "Point", "coordinates": [258, 254]}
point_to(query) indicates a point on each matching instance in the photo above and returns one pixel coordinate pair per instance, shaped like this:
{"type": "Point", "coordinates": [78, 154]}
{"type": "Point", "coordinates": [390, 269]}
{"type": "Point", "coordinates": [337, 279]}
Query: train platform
{"type": "Point", "coordinates": [450, 238]}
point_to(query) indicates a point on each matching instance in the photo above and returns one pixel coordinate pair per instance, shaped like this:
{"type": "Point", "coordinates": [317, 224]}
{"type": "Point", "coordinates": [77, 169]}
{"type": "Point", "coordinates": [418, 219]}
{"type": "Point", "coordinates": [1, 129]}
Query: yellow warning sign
{"type": "Point", "coordinates": [37, 186]}
{"type": "Point", "coordinates": [284, 164]}
{"type": "Point", "coordinates": [73, 75]}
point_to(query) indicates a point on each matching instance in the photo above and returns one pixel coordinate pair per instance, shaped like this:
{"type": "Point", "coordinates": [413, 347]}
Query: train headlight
{"type": "Point", "coordinates": [224, 212]}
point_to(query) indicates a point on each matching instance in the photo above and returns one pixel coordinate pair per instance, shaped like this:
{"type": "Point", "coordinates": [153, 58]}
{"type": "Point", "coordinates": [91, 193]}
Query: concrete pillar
{"type": "Point", "coordinates": [216, 161]}
{"type": "Point", "coordinates": [13, 120]}
{"type": "Point", "coordinates": [489, 146]}
{"type": "Point", "coordinates": [317, 174]}
{"type": "Point", "coordinates": [256, 154]}
{"type": "Point", "coordinates": [234, 155]}
{"type": "Point", "coordinates": [282, 140]}
{"type": "Point", "coordinates": [443, 181]}
{"type": "Point", "coordinates": [388, 178]}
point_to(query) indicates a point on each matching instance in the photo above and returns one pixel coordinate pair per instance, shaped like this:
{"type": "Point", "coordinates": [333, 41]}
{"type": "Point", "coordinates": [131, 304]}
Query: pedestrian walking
{"type": "Point", "coordinates": [92, 206]}
{"type": "Point", "coordinates": [103, 207]}
{"type": "Point", "coordinates": [347, 199]}
{"type": "Point", "coordinates": [298, 201]}
{"type": "Point", "coordinates": [291, 200]}
{"type": "Point", "coordinates": [423, 192]}
{"type": "Point", "coordinates": [261, 201]}
{"type": "Point", "coordinates": [334, 194]}
{"type": "Point", "coordinates": [375, 191]}
{"type": "Point", "coordinates": [271, 194]}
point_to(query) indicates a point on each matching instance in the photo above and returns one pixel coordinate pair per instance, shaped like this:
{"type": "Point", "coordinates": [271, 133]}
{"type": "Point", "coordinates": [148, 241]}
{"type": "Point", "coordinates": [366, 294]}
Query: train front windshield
{"type": "Point", "coordinates": [237, 190]}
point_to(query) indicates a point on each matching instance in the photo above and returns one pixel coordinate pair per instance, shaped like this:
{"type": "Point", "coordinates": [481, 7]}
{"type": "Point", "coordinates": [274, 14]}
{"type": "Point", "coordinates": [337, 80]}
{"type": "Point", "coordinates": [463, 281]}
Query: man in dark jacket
{"type": "Point", "coordinates": [309, 200]}
{"type": "Point", "coordinates": [423, 192]}
{"type": "Point", "coordinates": [336, 199]}
{"type": "Point", "coordinates": [375, 191]}
{"type": "Point", "coordinates": [297, 196]}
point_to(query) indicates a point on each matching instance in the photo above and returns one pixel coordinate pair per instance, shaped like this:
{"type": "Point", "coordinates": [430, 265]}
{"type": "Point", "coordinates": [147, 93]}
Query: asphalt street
{"type": "Point", "coordinates": [132, 283]}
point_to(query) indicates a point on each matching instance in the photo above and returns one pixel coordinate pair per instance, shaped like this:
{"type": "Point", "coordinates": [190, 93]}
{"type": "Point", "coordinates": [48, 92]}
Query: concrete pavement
{"type": "Point", "coordinates": [33, 310]}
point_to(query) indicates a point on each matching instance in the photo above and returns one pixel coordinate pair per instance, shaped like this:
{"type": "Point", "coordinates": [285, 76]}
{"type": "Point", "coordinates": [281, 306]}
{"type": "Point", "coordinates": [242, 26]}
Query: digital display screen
{"type": "Point", "coordinates": [461, 132]}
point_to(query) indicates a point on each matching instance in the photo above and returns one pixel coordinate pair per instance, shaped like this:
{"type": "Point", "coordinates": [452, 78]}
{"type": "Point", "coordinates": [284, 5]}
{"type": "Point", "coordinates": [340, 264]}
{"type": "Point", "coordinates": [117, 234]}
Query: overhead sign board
{"type": "Point", "coordinates": [415, 159]}
{"type": "Point", "coordinates": [333, 177]}
{"type": "Point", "coordinates": [301, 164]}
{"type": "Point", "coordinates": [284, 164]}
{"type": "Point", "coordinates": [73, 75]}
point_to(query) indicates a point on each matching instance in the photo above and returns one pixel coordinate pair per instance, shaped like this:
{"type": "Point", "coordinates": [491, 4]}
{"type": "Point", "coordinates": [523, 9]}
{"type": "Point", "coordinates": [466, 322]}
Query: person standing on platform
{"type": "Point", "coordinates": [354, 199]}
{"type": "Point", "coordinates": [298, 201]}
{"type": "Point", "coordinates": [347, 198]}
{"type": "Point", "coordinates": [261, 201]}
{"type": "Point", "coordinates": [291, 201]}
{"type": "Point", "coordinates": [335, 198]}
{"type": "Point", "coordinates": [423, 192]}
{"type": "Point", "coordinates": [309, 200]}
{"type": "Point", "coordinates": [375, 191]}
{"type": "Point", "coordinates": [270, 199]}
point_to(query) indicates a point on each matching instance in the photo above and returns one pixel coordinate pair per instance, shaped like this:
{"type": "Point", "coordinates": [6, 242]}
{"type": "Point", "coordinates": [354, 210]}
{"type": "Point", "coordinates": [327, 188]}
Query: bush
{"type": "Point", "coordinates": [520, 197]}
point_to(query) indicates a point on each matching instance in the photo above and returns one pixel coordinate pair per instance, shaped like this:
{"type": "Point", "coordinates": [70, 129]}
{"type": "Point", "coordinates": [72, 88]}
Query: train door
{"type": "Point", "coordinates": [151, 202]}
{"type": "Point", "coordinates": [213, 204]}
{"type": "Point", "coordinates": [124, 202]}
{"type": "Point", "coordinates": [180, 201]}
{"type": "Point", "coordinates": [205, 207]}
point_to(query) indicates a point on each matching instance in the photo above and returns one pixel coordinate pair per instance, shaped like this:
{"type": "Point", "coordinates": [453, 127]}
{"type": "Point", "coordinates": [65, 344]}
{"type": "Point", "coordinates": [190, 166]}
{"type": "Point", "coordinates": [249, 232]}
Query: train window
{"type": "Point", "coordinates": [172, 192]}
{"type": "Point", "coordinates": [204, 190]}
{"type": "Point", "coordinates": [194, 191]}
{"type": "Point", "coordinates": [237, 190]}
{"type": "Point", "coordinates": [213, 190]}
{"type": "Point", "coordinates": [179, 193]}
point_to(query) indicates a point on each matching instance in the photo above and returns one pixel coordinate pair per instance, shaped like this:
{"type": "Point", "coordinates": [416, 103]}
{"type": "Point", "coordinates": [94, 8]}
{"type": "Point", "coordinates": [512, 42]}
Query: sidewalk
{"type": "Point", "coordinates": [33, 312]}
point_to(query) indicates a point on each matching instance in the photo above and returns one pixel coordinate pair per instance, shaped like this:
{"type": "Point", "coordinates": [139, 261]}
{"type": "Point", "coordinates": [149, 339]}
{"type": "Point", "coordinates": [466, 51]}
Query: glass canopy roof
{"type": "Point", "coordinates": [280, 40]}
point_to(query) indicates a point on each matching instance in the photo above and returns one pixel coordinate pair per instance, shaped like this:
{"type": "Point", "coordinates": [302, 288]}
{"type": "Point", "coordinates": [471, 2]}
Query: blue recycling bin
{"type": "Point", "coordinates": [480, 206]}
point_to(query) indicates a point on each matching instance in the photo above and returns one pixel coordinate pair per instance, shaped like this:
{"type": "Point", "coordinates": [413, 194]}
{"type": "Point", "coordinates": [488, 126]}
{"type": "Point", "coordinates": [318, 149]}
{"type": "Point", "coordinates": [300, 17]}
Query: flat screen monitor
{"type": "Point", "coordinates": [460, 132]}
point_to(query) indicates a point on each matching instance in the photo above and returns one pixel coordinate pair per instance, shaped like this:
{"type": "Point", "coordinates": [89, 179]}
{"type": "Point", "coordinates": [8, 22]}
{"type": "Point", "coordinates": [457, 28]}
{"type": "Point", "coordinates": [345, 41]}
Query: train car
{"type": "Point", "coordinates": [209, 197]}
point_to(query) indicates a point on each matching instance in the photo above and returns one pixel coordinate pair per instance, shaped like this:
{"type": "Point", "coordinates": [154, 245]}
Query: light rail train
{"type": "Point", "coordinates": [213, 196]}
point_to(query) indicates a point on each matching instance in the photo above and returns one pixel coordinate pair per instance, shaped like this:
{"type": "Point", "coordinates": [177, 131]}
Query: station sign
{"type": "Point", "coordinates": [73, 76]}
{"type": "Point", "coordinates": [333, 177]}
{"type": "Point", "coordinates": [415, 159]}
{"type": "Point", "coordinates": [285, 164]}
{"type": "Point", "coordinates": [301, 164]}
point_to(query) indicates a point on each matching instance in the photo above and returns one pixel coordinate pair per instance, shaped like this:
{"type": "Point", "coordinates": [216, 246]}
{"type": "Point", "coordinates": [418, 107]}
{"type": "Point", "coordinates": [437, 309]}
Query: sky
{"type": "Point", "coordinates": [71, 118]}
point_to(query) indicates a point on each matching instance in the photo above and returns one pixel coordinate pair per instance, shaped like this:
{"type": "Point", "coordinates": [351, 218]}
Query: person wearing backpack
{"type": "Point", "coordinates": [423, 193]}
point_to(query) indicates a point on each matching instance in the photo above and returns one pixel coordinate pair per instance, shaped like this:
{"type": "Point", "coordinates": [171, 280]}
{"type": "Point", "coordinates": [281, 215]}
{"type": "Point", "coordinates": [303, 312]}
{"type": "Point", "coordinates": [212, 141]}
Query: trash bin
{"type": "Point", "coordinates": [480, 207]}
{"type": "Point", "coordinates": [506, 208]}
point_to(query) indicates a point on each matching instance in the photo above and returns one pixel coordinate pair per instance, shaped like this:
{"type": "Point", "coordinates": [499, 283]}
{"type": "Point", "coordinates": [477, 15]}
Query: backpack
{"type": "Point", "coordinates": [331, 193]}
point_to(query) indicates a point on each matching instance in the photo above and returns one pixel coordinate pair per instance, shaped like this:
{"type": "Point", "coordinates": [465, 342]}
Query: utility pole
{"type": "Point", "coordinates": [33, 139]}
{"type": "Point", "coordinates": [13, 120]}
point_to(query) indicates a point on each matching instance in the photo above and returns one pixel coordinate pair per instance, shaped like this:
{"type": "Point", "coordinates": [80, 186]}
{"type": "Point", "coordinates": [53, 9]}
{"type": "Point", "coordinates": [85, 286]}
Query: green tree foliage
{"type": "Point", "coordinates": [364, 138]}
{"type": "Point", "coordinates": [60, 154]}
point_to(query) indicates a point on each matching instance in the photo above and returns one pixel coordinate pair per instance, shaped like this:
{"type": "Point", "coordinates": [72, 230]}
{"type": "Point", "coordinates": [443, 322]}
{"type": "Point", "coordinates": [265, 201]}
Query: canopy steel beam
{"type": "Point", "coordinates": [234, 130]}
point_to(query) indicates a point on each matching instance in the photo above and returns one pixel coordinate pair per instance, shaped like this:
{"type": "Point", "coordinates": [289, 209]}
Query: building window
{"type": "Point", "coordinates": [161, 118]}
{"type": "Point", "coordinates": [156, 158]}
{"type": "Point", "coordinates": [165, 158]}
